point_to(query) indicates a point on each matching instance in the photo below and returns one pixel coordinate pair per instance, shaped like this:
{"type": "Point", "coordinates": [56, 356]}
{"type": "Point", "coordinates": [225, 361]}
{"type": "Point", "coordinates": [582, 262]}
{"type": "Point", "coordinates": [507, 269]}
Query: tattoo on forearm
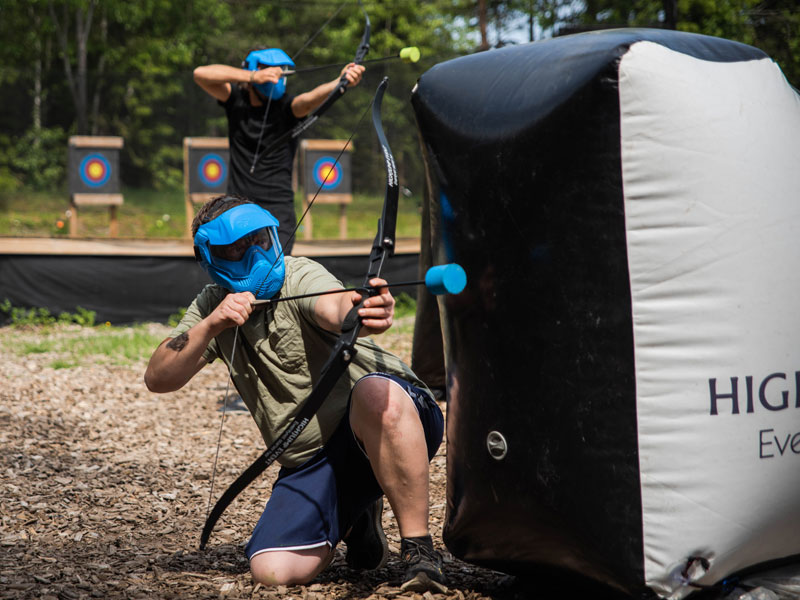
{"type": "Point", "coordinates": [178, 343]}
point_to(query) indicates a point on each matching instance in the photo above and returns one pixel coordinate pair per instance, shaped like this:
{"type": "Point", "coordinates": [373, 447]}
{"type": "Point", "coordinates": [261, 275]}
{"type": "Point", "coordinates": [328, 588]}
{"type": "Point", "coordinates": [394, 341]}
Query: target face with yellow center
{"type": "Point", "coordinates": [327, 173]}
{"type": "Point", "coordinates": [94, 170]}
{"type": "Point", "coordinates": [212, 170]}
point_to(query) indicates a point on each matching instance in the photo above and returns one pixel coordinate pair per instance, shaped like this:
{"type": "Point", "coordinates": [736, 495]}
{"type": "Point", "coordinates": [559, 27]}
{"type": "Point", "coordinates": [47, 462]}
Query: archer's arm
{"type": "Point", "coordinates": [216, 80]}
{"type": "Point", "coordinates": [177, 360]}
{"type": "Point", "coordinates": [377, 313]}
{"type": "Point", "coordinates": [303, 104]}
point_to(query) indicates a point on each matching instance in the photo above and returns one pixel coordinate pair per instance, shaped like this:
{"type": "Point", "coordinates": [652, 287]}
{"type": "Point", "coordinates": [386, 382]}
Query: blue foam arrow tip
{"type": "Point", "coordinates": [445, 279]}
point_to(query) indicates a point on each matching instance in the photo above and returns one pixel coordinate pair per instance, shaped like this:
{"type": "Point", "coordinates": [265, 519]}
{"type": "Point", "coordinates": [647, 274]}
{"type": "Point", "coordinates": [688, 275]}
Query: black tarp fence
{"type": "Point", "coordinates": [129, 289]}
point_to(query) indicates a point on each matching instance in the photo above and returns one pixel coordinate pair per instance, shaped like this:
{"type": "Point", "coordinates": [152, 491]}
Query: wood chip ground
{"type": "Point", "coordinates": [105, 488]}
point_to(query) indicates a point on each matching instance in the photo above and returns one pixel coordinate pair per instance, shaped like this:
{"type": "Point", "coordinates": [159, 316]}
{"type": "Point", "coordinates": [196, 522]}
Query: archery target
{"type": "Point", "coordinates": [93, 168]}
{"type": "Point", "coordinates": [212, 170]}
{"type": "Point", "coordinates": [207, 167]}
{"type": "Point", "coordinates": [327, 173]}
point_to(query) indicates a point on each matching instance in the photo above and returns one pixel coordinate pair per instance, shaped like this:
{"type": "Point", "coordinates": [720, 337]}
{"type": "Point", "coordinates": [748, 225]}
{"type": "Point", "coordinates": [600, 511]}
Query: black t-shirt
{"type": "Point", "coordinates": [271, 180]}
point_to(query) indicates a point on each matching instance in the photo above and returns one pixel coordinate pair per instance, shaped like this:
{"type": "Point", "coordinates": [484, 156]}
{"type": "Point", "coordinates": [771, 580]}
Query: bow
{"type": "Point", "coordinates": [344, 349]}
{"type": "Point", "coordinates": [338, 92]}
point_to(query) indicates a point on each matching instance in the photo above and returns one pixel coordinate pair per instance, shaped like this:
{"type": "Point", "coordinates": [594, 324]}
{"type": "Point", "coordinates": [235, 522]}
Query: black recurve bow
{"type": "Point", "coordinates": [338, 92]}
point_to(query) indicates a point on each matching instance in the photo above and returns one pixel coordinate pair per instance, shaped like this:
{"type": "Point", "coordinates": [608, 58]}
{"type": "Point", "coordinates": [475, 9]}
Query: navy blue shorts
{"type": "Point", "coordinates": [314, 504]}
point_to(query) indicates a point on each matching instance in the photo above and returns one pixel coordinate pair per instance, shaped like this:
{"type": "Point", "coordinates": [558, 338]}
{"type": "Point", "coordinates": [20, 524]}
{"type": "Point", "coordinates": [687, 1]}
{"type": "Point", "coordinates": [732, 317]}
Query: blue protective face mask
{"type": "Point", "coordinates": [260, 270]}
{"type": "Point", "coordinates": [270, 57]}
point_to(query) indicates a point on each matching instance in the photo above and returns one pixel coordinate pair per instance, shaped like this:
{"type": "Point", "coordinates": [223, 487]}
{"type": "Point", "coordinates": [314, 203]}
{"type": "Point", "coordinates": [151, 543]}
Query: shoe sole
{"type": "Point", "coordinates": [421, 583]}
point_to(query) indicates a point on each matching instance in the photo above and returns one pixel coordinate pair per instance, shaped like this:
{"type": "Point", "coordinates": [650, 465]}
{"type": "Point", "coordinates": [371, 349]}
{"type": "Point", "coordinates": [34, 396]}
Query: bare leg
{"type": "Point", "coordinates": [290, 567]}
{"type": "Point", "coordinates": [385, 420]}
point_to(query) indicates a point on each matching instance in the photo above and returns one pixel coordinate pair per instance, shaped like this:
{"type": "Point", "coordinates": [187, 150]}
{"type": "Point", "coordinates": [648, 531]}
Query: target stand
{"type": "Point", "coordinates": [205, 172]}
{"type": "Point", "coordinates": [94, 177]}
{"type": "Point", "coordinates": [321, 171]}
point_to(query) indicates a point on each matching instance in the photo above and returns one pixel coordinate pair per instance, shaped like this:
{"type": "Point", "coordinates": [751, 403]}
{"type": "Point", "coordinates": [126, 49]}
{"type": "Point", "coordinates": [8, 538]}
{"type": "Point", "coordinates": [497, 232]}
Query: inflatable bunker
{"type": "Point", "coordinates": [624, 364]}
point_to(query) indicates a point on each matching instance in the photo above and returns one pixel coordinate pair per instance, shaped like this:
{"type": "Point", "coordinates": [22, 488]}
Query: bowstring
{"type": "Point", "coordinates": [261, 134]}
{"type": "Point", "coordinates": [321, 185]}
{"type": "Point", "coordinates": [280, 256]}
{"type": "Point", "coordinates": [222, 421]}
{"type": "Point", "coordinates": [296, 54]}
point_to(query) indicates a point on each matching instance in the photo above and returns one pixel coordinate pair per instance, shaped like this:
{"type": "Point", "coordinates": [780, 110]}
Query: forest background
{"type": "Point", "coordinates": [115, 67]}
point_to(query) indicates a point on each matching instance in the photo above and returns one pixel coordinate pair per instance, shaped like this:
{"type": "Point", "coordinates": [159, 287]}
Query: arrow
{"type": "Point", "coordinates": [440, 280]}
{"type": "Point", "coordinates": [407, 55]}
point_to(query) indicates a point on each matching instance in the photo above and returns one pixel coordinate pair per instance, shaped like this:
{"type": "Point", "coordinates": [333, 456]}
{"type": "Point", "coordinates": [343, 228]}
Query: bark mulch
{"type": "Point", "coordinates": [105, 488]}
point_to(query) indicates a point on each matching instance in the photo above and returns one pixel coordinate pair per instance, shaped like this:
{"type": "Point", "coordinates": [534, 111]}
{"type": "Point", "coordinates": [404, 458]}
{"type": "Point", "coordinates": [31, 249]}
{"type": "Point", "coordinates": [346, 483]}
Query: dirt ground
{"type": "Point", "coordinates": [105, 489]}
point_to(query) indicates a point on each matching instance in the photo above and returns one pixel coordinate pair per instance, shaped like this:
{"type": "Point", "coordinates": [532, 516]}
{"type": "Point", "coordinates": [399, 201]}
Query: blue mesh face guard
{"type": "Point", "coordinates": [256, 230]}
{"type": "Point", "coordinates": [271, 57]}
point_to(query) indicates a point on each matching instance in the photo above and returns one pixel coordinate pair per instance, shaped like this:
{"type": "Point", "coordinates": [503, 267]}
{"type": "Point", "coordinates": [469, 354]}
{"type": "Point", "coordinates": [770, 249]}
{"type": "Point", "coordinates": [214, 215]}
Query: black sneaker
{"type": "Point", "coordinates": [366, 543]}
{"type": "Point", "coordinates": [423, 566]}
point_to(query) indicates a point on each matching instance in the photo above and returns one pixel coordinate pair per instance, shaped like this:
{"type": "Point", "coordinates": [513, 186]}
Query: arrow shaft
{"type": "Point", "coordinates": [332, 65]}
{"type": "Point", "coordinates": [366, 289]}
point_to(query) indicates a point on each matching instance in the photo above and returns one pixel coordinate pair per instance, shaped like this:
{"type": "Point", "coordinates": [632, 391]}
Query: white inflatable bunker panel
{"type": "Point", "coordinates": [711, 180]}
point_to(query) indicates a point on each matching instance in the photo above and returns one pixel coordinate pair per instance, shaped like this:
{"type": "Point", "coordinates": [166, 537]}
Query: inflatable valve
{"type": "Point", "coordinates": [445, 279]}
{"type": "Point", "coordinates": [410, 54]}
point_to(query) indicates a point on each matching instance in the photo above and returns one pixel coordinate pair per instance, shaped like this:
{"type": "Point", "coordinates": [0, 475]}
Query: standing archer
{"type": "Point", "coordinates": [259, 112]}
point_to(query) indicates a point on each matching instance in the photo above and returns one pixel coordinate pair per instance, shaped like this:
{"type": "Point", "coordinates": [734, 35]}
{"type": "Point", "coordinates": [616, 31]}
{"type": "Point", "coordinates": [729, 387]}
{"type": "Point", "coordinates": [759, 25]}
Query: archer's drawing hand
{"type": "Point", "coordinates": [234, 310]}
{"type": "Point", "coordinates": [353, 73]}
{"type": "Point", "coordinates": [267, 75]}
{"type": "Point", "coordinates": [377, 313]}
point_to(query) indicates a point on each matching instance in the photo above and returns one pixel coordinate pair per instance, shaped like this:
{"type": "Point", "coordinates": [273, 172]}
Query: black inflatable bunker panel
{"type": "Point", "coordinates": [623, 366]}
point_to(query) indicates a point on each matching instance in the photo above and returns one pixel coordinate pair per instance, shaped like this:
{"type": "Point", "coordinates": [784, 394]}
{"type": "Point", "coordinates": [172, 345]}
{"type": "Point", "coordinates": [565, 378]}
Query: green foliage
{"type": "Point", "coordinates": [27, 317]}
{"type": "Point", "coordinates": [405, 306]}
{"type": "Point", "coordinates": [139, 59]}
{"type": "Point", "coordinates": [175, 319]}
{"type": "Point", "coordinates": [138, 80]}
{"type": "Point", "coordinates": [32, 158]}
{"type": "Point", "coordinates": [772, 25]}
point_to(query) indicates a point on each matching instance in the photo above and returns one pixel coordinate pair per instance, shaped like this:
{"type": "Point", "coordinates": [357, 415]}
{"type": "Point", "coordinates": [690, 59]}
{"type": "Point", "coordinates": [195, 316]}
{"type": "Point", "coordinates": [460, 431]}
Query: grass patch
{"type": "Point", "coordinates": [34, 348]}
{"type": "Point", "coordinates": [66, 344]}
{"type": "Point", "coordinates": [362, 218]}
{"type": "Point", "coordinates": [63, 364]}
{"type": "Point", "coordinates": [63, 346]}
{"type": "Point", "coordinates": [117, 346]}
{"type": "Point", "coordinates": [155, 214]}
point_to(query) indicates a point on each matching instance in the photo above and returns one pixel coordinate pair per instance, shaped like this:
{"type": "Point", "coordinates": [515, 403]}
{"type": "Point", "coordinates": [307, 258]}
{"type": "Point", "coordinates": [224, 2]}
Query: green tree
{"type": "Point", "coordinates": [124, 68]}
{"type": "Point", "coordinates": [776, 25]}
{"type": "Point", "coordinates": [395, 25]}
{"type": "Point", "coordinates": [772, 25]}
{"type": "Point", "coordinates": [25, 67]}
